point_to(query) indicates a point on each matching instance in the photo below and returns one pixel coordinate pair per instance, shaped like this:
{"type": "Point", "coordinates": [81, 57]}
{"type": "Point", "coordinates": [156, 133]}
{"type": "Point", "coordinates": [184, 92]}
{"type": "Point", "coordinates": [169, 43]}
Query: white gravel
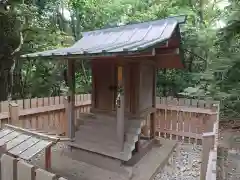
{"type": "Point", "coordinates": [184, 164]}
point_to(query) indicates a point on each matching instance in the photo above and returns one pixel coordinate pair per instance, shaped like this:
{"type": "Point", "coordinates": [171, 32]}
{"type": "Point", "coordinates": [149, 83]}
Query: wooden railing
{"type": "Point", "coordinates": [15, 169]}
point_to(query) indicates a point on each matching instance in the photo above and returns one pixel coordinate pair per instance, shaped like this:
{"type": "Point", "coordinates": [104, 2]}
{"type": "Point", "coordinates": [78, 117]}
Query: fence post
{"type": "Point", "coordinates": [14, 114]}
{"type": "Point", "coordinates": [208, 144]}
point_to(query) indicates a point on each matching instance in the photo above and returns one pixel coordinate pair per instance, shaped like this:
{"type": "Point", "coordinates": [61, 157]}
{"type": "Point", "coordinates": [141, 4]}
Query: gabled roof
{"type": "Point", "coordinates": [128, 38]}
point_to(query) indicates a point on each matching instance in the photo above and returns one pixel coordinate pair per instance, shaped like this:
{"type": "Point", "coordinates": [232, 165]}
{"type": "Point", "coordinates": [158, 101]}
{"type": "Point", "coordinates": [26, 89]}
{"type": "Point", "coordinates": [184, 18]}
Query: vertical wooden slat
{"type": "Point", "coordinates": [34, 104]}
{"type": "Point", "coordinates": [162, 121]}
{"type": "Point", "coordinates": [180, 124]}
{"type": "Point", "coordinates": [62, 99]}
{"type": "Point", "coordinates": [168, 122]}
{"type": "Point", "coordinates": [25, 171]}
{"type": "Point", "coordinates": [57, 99]}
{"type": "Point", "coordinates": [27, 104]}
{"type": "Point", "coordinates": [20, 104]}
{"type": "Point", "coordinates": [194, 103]}
{"type": "Point", "coordinates": [8, 167]}
{"type": "Point", "coordinates": [186, 116]}
{"type": "Point", "coordinates": [181, 102]}
{"type": "Point", "coordinates": [194, 122]}
{"type": "Point", "coordinates": [14, 114]}
{"type": "Point", "coordinates": [5, 106]}
{"type": "Point", "coordinates": [174, 116]}
{"type": "Point", "coordinates": [51, 115]}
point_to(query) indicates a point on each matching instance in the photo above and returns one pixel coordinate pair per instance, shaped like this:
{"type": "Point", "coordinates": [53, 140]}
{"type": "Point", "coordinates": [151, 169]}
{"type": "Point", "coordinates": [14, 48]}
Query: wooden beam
{"type": "Point", "coordinates": [167, 51]}
{"type": "Point", "coordinates": [120, 107]}
{"type": "Point", "coordinates": [168, 61]}
{"type": "Point", "coordinates": [93, 85]}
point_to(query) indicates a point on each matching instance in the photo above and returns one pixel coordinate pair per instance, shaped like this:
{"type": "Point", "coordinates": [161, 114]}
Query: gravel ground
{"type": "Point", "coordinates": [185, 164]}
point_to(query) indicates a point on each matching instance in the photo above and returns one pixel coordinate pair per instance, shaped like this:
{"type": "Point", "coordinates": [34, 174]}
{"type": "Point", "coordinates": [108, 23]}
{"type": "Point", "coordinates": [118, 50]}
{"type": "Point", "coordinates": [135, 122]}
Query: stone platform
{"type": "Point", "coordinates": [144, 169]}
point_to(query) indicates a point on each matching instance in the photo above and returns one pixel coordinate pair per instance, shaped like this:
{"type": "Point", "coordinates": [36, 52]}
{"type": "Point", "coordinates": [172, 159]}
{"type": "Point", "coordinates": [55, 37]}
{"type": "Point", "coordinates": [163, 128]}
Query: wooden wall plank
{"type": "Point", "coordinates": [174, 117]}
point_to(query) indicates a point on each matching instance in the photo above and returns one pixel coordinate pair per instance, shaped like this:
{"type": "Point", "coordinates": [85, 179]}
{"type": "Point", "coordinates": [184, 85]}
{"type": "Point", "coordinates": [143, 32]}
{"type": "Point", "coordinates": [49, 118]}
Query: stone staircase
{"type": "Point", "coordinates": [96, 141]}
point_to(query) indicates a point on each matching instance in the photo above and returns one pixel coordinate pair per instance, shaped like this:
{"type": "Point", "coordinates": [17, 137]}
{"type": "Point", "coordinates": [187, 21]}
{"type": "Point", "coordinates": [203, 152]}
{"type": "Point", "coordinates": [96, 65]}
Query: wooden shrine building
{"type": "Point", "coordinates": [124, 62]}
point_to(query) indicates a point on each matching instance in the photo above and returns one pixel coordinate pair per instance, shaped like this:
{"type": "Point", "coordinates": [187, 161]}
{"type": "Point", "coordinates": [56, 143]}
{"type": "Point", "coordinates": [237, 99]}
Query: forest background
{"type": "Point", "coordinates": [211, 44]}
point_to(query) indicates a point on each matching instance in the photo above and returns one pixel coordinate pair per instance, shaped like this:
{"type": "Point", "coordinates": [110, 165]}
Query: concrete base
{"type": "Point", "coordinates": [144, 169]}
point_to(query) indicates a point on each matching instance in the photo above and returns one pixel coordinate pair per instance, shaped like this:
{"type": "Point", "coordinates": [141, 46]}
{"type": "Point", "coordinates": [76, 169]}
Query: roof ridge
{"type": "Point", "coordinates": [134, 24]}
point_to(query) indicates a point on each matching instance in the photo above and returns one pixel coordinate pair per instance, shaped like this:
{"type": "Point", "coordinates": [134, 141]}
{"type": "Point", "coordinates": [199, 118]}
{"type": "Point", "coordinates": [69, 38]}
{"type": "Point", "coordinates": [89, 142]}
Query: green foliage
{"type": "Point", "coordinates": [211, 54]}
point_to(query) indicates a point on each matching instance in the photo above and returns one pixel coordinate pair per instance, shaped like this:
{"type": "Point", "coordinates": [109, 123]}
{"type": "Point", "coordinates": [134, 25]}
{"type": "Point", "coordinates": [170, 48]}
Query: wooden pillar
{"type": "Point", "coordinates": [14, 114]}
{"type": "Point", "coordinates": [153, 114]}
{"type": "Point", "coordinates": [120, 107]}
{"type": "Point", "coordinates": [93, 100]}
{"type": "Point", "coordinates": [71, 99]}
{"type": "Point", "coordinates": [48, 158]}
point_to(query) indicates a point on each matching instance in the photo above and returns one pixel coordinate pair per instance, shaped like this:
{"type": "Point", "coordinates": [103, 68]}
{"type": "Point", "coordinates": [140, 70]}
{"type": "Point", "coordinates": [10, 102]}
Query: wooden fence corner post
{"type": "Point", "coordinates": [14, 114]}
{"type": "Point", "coordinates": [208, 144]}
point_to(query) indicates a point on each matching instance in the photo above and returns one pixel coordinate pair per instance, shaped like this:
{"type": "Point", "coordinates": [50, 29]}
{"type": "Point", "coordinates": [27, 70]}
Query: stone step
{"type": "Point", "coordinates": [103, 162]}
{"type": "Point", "coordinates": [101, 136]}
{"type": "Point", "coordinates": [110, 123]}
{"type": "Point", "coordinates": [109, 142]}
{"type": "Point", "coordinates": [109, 130]}
{"type": "Point", "coordinates": [105, 149]}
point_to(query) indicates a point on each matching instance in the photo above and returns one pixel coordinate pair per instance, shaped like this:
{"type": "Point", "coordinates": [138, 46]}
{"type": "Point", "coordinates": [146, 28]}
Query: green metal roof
{"type": "Point", "coordinates": [117, 40]}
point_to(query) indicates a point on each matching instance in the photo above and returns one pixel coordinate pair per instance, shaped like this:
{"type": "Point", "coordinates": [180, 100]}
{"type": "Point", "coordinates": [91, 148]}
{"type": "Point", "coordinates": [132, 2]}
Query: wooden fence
{"type": "Point", "coordinates": [182, 119]}
{"type": "Point", "coordinates": [188, 120]}
{"type": "Point", "coordinates": [14, 169]}
{"type": "Point", "coordinates": [46, 114]}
